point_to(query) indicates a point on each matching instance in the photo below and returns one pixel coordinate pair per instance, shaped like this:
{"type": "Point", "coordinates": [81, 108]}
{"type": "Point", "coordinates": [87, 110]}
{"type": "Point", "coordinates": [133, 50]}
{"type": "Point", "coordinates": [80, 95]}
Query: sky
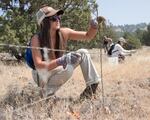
{"type": "Point", "coordinates": [121, 12]}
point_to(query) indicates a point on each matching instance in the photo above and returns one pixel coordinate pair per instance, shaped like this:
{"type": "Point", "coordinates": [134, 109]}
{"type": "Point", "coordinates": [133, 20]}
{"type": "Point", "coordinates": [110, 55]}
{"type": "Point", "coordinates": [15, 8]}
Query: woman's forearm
{"type": "Point", "coordinates": [91, 33]}
{"type": "Point", "coordinates": [46, 65]}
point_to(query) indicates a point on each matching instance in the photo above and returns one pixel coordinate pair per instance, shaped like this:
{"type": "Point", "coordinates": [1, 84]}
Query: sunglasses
{"type": "Point", "coordinates": [55, 18]}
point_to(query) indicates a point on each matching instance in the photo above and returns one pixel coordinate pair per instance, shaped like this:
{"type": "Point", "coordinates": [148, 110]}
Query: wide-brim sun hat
{"type": "Point", "coordinates": [47, 12]}
{"type": "Point", "coordinates": [121, 39]}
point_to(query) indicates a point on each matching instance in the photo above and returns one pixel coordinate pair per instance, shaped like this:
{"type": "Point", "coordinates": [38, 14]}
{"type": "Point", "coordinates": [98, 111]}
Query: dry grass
{"type": "Point", "coordinates": [126, 93]}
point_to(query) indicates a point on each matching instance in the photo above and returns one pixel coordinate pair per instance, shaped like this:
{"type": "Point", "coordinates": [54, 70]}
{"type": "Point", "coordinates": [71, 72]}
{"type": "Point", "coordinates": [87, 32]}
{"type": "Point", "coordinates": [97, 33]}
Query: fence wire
{"type": "Point", "coordinates": [40, 48]}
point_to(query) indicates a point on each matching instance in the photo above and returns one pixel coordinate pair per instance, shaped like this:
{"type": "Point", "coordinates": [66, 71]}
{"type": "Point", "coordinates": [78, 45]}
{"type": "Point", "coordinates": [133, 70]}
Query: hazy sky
{"type": "Point", "coordinates": [120, 12]}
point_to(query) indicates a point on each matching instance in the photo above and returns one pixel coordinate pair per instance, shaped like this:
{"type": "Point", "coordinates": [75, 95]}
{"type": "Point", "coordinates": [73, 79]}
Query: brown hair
{"type": "Point", "coordinates": [44, 37]}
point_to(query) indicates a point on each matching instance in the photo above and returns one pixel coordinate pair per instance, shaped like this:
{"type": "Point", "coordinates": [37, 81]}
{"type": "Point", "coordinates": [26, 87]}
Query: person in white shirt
{"type": "Point", "coordinates": [119, 51]}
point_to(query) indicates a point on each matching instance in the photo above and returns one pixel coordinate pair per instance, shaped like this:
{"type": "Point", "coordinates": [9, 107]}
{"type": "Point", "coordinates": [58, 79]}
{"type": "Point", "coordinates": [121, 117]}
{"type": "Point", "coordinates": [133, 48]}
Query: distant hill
{"type": "Point", "coordinates": [130, 28]}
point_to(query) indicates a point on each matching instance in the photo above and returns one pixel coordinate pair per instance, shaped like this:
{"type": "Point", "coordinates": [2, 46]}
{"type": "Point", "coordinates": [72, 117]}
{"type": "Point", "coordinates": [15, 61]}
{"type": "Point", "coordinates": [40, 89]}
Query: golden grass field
{"type": "Point", "coordinates": [126, 93]}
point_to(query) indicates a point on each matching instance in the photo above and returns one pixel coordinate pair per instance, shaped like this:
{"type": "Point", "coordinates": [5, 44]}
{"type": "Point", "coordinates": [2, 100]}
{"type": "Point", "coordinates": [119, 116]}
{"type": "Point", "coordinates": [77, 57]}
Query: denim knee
{"type": "Point", "coordinates": [84, 53]}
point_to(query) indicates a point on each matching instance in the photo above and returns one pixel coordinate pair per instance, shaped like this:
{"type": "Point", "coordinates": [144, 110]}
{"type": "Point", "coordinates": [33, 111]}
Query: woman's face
{"type": "Point", "coordinates": [55, 22]}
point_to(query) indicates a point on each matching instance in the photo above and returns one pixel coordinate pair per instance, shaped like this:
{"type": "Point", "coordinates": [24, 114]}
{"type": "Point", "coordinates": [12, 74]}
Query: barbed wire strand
{"type": "Point", "coordinates": [40, 48]}
{"type": "Point", "coordinates": [33, 103]}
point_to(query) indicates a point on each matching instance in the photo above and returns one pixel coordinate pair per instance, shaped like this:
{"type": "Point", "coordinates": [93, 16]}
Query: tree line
{"type": "Point", "coordinates": [140, 31]}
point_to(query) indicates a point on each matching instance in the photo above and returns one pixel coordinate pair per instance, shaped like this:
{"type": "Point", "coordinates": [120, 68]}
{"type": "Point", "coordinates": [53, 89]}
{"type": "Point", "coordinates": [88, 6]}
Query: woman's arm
{"type": "Point", "coordinates": [122, 50]}
{"type": "Point", "coordinates": [82, 35]}
{"type": "Point", "coordinates": [79, 35]}
{"type": "Point", "coordinates": [37, 56]}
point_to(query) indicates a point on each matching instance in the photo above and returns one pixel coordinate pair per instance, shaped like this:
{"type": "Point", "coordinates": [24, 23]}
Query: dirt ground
{"type": "Point", "coordinates": [125, 94]}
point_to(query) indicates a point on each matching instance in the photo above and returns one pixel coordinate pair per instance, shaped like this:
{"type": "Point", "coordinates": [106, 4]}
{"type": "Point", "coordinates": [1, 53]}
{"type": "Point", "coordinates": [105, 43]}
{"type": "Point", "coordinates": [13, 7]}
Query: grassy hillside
{"type": "Point", "coordinates": [126, 93]}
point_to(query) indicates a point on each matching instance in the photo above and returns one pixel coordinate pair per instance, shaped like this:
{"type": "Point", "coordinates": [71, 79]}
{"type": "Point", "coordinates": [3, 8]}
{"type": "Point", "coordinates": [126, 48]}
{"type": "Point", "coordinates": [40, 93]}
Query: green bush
{"type": "Point", "coordinates": [132, 41]}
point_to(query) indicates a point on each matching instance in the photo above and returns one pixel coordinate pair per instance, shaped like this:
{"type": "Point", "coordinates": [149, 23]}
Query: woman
{"type": "Point", "coordinates": [58, 68]}
{"type": "Point", "coordinates": [119, 51]}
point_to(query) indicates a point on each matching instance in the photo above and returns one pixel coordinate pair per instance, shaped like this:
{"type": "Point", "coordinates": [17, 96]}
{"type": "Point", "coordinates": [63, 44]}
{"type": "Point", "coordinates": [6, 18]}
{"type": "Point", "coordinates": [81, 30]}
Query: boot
{"type": "Point", "coordinates": [89, 91]}
{"type": "Point", "coordinates": [94, 87]}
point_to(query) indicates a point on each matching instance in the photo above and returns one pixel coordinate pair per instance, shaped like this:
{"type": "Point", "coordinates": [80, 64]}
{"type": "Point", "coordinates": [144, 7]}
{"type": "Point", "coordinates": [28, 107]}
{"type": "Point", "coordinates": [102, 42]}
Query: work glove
{"type": "Point", "coordinates": [97, 21]}
{"type": "Point", "coordinates": [70, 58]}
{"type": "Point", "coordinates": [100, 19]}
{"type": "Point", "coordinates": [94, 23]}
